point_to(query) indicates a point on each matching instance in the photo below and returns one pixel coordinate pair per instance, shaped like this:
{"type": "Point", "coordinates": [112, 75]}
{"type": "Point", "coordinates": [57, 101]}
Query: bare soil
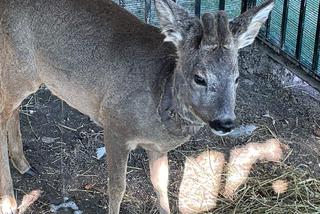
{"type": "Point", "coordinates": [60, 142]}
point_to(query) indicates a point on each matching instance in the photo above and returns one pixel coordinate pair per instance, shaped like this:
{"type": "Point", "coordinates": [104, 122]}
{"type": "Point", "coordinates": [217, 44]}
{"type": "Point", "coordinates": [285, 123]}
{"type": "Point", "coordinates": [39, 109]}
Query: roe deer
{"type": "Point", "coordinates": [146, 87]}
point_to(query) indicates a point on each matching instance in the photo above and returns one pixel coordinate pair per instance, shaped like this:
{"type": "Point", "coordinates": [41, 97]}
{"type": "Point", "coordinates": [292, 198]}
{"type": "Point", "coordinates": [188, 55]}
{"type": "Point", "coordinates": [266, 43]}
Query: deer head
{"type": "Point", "coordinates": [206, 74]}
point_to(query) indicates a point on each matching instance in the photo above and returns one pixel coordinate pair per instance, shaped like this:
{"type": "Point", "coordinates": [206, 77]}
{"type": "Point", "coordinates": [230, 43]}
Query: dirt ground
{"type": "Point", "coordinates": [60, 142]}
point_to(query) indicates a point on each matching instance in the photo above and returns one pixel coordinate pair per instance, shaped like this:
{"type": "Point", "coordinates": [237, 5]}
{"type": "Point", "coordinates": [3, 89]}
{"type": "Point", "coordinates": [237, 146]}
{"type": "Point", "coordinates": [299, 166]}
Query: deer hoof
{"type": "Point", "coordinates": [8, 205]}
{"type": "Point", "coordinates": [32, 172]}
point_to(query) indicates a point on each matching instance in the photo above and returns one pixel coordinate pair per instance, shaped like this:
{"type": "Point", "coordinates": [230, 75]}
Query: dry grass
{"type": "Point", "coordinates": [201, 182]}
{"type": "Point", "coordinates": [257, 195]}
{"type": "Point", "coordinates": [298, 191]}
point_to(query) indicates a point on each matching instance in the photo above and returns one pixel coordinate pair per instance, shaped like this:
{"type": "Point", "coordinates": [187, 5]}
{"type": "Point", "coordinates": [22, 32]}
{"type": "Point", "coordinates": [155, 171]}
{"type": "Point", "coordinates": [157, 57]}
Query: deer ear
{"type": "Point", "coordinates": [171, 18]}
{"type": "Point", "coordinates": [246, 27]}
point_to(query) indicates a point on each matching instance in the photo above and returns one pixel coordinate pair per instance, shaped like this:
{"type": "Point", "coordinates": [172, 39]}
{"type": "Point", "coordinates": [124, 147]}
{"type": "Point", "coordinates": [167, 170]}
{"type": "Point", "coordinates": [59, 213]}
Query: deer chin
{"type": "Point", "coordinates": [220, 133]}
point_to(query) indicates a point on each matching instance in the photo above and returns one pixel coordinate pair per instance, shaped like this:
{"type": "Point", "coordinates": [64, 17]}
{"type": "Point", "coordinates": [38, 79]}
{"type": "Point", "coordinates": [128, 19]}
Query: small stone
{"type": "Point", "coordinates": [48, 139]}
{"type": "Point", "coordinates": [316, 132]}
{"type": "Point", "coordinates": [250, 70]}
{"type": "Point", "coordinates": [248, 82]}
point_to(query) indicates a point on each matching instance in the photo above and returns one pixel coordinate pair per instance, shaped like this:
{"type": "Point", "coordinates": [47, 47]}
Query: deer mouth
{"type": "Point", "coordinates": [220, 133]}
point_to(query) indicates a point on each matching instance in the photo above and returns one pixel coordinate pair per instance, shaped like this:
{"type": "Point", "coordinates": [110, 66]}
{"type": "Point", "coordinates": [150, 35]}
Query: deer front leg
{"type": "Point", "coordinates": [117, 157]}
{"type": "Point", "coordinates": [8, 203]}
{"type": "Point", "coordinates": [159, 172]}
{"type": "Point", "coordinates": [15, 145]}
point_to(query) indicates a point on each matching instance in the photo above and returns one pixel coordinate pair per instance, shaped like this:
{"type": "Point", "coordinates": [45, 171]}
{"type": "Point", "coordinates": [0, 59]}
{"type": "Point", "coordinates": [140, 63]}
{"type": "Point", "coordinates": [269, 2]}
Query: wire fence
{"type": "Point", "coordinates": [293, 29]}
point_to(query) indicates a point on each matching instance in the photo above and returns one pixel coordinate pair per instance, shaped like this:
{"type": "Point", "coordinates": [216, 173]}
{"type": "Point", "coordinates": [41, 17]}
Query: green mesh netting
{"type": "Point", "coordinates": [144, 9]}
{"type": "Point", "coordinates": [310, 28]}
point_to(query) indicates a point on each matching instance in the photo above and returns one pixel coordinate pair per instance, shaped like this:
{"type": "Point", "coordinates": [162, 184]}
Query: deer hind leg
{"type": "Point", "coordinates": [159, 173]}
{"type": "Point", "coordinates": [8, 203]}
{"type": "Point", "coordinates": [15, 146]}
{"type": "Point", "coordinates": [9, 136]}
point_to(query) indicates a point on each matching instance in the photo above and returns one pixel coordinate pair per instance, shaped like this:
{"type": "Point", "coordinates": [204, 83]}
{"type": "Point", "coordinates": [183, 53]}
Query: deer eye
{"type": "Point", "coordinates": [237, 80]}
{"type": "Point", "coordinates": [199, 80]}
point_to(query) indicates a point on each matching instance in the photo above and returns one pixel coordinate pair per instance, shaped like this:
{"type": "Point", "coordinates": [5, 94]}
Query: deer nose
{"type": "Point", "coordinates": [222, 125]}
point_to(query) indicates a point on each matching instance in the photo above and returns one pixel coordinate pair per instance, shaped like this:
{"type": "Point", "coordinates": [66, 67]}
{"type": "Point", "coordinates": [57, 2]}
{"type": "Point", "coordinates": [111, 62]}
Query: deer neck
{"type": "Point", "coordinates": [173, 112]}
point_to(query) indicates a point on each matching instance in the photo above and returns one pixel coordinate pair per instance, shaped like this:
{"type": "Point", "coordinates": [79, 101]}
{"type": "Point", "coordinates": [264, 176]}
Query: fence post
{"type": "Point", "coordinates": [315, 60]}
{"type": "Point", "coordinates": [222, 4]}
{"type": "Point", "coordinates": [300, 29]}
{"type": "Point", "coordinates": [284, 23]}
{"type": "Point", "coordinates": [197, 7]}
{"type": "Point", "coordinates": [147, 11]}
{"type": "Point", "coordinates": [244, 5]}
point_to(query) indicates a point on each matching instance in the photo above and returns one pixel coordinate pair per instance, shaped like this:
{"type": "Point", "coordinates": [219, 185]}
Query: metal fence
{"type": "Point", "coordinates": [292, 30]}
